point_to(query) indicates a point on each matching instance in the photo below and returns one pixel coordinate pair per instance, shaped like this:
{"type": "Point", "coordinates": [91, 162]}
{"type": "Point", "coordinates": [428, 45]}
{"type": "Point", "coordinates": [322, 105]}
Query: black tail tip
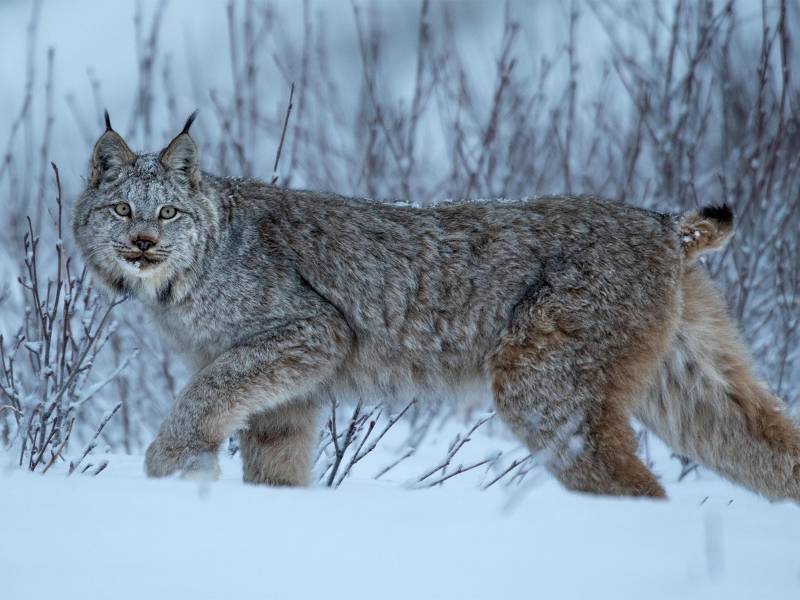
{"type": "Point", "coordinates": [722, 214]}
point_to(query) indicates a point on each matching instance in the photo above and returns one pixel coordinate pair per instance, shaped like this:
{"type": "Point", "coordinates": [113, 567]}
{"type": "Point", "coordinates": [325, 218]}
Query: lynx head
{"type": "Point", "coordinates": [144, 221]}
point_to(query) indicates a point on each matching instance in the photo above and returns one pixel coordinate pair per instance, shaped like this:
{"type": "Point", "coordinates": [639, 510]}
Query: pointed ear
{"type": "Point", "coordinates": [110, 153]}
{"type": "Point", "coordinates": [181, 155]}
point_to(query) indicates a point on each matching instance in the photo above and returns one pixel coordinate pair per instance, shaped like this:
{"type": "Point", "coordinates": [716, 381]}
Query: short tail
{"type": "Point", "coordinates": [707, 405]}
{"type": "Point", "coordinates": [705, 230]}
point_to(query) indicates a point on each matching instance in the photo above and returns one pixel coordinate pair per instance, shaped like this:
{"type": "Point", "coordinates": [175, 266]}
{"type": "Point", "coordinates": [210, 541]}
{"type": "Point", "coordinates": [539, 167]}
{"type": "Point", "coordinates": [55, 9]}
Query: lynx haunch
{"type": "Point", "coordinates": [577, 313]}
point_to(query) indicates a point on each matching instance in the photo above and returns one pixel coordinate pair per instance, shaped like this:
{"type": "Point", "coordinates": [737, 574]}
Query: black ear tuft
{"type": "Point", "coordinates": [180, 155]}
{"type": "Point", "coordinates": [721, 214]}
{"type": "Point", "coordinates": [108, 121]}
{"type": "Point", "coordinates": [189, 121]}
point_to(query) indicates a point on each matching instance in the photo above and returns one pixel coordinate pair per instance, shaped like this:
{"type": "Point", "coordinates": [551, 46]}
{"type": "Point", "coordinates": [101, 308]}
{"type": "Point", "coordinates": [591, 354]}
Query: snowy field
{"type": "Point", "coordinates": [121, 536]}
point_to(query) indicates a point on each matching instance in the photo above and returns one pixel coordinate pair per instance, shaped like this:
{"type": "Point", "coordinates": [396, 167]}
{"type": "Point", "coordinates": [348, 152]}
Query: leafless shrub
{"type": "Point", "coordinates": [45, 382]}
{"type": "Point", "coordinates": [518, 469]}
{"type": "Point", "coordinates": [345, 446]}
{"type": "Point", "coordinates": [427, 478]}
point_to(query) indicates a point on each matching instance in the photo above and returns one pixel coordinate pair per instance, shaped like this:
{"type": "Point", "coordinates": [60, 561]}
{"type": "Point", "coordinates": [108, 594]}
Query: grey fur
{"type": "Point", "coordinates": [280, 299]}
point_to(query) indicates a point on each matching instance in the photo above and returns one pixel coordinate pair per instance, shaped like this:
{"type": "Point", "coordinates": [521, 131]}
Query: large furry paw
{"type": "Point", "coordinates": [163, 459]}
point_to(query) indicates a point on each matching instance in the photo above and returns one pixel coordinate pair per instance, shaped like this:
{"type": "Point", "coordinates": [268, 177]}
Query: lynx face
{"type": "Point", "coordinates": [141, 220]}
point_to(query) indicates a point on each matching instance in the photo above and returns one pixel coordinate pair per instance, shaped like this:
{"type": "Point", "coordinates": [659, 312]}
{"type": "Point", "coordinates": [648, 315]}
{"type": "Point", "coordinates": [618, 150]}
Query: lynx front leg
{"type": "Point", "coordinates": [261, 373]}
{"type": "Point", "coordinates": [276, 445]}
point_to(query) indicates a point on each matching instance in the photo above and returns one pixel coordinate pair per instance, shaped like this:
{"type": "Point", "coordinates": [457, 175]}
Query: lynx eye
{"type": "Point", "coordinates": [123, 209]}
{"type": "Point", "coordinates": [167, 212]}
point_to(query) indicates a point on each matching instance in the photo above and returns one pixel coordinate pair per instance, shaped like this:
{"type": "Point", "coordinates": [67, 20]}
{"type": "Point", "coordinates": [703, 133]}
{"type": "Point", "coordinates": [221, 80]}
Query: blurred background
{"type": "Point", "coordinates": [666, 105]}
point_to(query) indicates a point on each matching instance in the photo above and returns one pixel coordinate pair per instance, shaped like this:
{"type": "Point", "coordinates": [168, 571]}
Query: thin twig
{"type": "Point", "coordinates": [274, 179]}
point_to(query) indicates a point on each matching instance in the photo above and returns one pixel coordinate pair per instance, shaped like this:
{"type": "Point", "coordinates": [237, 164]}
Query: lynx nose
{"type": "Point", "coordinates": [144, 242]}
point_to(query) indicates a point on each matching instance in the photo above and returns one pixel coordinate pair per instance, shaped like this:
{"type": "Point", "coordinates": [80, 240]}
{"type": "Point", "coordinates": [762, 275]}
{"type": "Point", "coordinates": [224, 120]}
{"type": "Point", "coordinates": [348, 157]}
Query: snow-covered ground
{"type": "Point", "coordinates": [121, 536]}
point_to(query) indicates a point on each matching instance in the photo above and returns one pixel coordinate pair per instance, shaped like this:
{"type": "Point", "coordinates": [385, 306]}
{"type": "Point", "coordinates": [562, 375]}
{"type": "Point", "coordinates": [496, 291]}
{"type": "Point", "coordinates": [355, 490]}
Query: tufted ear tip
{"type": "Point", "coordinates": [110, 153]}
{"type": "Point", "coordinates": [189, 121]}
{"type": "Point", "coordinates": [180, 155]}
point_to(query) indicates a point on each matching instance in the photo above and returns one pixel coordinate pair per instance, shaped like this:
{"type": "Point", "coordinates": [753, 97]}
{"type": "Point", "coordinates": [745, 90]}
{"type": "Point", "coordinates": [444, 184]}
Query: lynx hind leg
{"type": "Point", "coordinates": [584, 439]}
{"type": "Point", "coordinates": [276, 445]}
{"type": "Point", "coordinates": [567, 394]}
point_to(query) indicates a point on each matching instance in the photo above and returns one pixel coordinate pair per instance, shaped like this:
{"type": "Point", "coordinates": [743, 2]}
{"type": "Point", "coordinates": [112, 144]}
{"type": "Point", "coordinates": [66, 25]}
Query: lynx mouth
{"type": "Point", "coordinates": [140, 261]}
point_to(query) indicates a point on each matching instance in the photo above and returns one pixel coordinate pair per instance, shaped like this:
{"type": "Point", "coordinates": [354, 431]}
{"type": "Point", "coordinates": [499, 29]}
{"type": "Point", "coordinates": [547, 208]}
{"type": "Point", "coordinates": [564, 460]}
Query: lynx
{"type": "Point", "coordinates": [575, 313]}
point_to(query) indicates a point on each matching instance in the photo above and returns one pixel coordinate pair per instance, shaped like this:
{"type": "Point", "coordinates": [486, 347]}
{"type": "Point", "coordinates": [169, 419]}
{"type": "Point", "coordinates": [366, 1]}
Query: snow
{"type": "Point", "coordinates": [120, 535]}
